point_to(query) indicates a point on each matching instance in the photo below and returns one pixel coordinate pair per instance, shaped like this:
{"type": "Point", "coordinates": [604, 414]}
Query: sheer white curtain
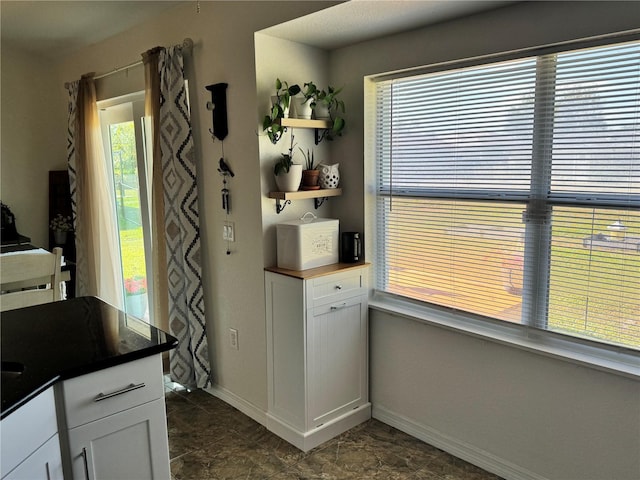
{"type": "Point", "coordinates": [97, 250]}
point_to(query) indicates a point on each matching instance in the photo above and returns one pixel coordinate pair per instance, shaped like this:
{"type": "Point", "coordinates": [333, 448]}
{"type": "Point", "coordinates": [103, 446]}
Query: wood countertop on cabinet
{"type": "Point", "coordinates": [317, 271]}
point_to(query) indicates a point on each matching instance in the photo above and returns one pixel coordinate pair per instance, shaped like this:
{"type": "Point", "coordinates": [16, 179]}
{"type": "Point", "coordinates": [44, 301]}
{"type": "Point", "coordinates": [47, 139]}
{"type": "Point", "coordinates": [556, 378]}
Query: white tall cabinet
{"type": "Point", "coordinates": [317, 352]}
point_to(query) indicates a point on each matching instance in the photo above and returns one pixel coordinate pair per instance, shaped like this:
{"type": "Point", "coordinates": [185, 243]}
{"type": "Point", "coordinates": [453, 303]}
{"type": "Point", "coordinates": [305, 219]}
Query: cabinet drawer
{"type": "Point", "coordinates": [105, 392]}
{"type": "Point", "coordinates": [332, 287]}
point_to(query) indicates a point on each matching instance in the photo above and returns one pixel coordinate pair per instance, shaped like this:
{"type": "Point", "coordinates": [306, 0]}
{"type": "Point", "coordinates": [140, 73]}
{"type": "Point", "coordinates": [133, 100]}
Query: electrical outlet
{"type": "Point", "coordinates": [228, 232]}
{"type": "Point", "coordinates": [233, 339]}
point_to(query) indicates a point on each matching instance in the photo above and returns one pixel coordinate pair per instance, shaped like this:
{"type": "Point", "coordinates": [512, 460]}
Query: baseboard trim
{"type": "Point", "coordinates": [305, 441]}
{"type": "Point", "coordinates": [465, 451]}
{"type": "Point", "coordinates": [241, 404]}
{"type": "Point", "coordinates": [460, 449]}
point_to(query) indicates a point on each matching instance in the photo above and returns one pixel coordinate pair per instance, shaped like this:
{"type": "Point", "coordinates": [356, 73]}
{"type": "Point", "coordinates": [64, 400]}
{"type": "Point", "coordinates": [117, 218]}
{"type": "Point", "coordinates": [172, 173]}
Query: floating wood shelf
{"type": "Point", "coordinates": [319, 196]}
{"type": "Point", "coordinates": [305, 123]}
{"type": "Point", "coordinates": [319, 126]}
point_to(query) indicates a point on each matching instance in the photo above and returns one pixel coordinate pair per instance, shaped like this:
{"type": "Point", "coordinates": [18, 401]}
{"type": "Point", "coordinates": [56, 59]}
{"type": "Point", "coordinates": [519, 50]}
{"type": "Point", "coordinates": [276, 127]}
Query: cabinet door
{"type": "Point", "coordinates": [337, 359]}
{"type": "Point", "coordinates": [27, 429]}
{"type": "Point", "coordinates": [43, 464]}
{"type": "Point", "coordinates": [126, 445]}
{"type": "Point", "coordinates": [285, 349]}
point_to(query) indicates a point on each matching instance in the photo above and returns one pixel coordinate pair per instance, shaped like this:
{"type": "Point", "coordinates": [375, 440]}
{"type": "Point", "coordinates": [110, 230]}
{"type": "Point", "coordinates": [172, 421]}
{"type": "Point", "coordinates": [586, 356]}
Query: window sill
{"type": "Point", "coordinates": [617, 360]}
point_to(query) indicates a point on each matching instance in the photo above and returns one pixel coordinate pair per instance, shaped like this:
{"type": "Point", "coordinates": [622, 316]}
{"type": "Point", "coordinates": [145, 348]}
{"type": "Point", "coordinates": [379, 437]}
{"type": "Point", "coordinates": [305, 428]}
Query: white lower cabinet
{"type": "Point", "coordinates": [335, 364]}
{"type": "Point", "coordinates": [317, 353]}
{"type": "Point", "coordinates": [30, 445]}
{"type": "Point", "coordinates": [125, 445]}
{"type": "Point", "coordinates": [115, 423]}
{"type": "Point", "coordinates": [43, 464]}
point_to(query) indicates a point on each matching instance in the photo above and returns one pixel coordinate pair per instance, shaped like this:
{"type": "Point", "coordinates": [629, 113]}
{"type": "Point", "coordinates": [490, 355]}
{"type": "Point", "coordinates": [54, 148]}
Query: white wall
{"type": "Point", "coordinates": [516, 413]}
{"type": "Point", "coordinates": [29, 145]}
{"type": "Point", "coordinates": [296, 64]}
{"type": "Point", "coordinates": [223, 35]}
{"type": "Point", "coordinates": [514, 410]}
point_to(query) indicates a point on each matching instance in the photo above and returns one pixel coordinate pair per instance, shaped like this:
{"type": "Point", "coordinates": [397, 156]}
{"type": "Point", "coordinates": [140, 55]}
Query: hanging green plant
{"type": "Point", "coordinates": [336, 109]}
{"type": "Point", "coordinates": [272, 123]}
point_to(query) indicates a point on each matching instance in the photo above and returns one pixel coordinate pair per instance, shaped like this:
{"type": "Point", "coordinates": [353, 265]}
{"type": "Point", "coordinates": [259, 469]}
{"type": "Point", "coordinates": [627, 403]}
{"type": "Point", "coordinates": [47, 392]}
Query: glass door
{"type": "Point", "coordinates": [122, 124]}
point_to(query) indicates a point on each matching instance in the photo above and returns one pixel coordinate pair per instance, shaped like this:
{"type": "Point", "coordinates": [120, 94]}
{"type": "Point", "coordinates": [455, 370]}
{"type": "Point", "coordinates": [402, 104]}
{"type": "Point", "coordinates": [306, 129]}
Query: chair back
{"type": "Point", "coordinates": [22, 273]}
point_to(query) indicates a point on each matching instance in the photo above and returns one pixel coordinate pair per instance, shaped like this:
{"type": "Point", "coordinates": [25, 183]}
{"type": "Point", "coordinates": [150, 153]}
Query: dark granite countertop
{"type": "Point", "coordinates": [61, 340]}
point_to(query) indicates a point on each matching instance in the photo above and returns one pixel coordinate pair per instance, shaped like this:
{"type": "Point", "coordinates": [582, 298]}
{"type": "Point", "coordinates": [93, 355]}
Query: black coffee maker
{"type": "Point", "coordinates": [351, 247]}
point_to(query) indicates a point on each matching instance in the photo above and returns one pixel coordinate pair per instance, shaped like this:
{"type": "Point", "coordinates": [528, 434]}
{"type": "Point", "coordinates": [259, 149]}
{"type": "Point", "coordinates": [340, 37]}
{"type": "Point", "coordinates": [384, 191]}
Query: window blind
{"type": "Point", "coordinates": [512, 190]}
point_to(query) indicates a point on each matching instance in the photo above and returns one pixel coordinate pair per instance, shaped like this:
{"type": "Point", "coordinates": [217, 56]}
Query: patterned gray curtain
{"type": "Point", "coordinates": [72, 90]}
{"type": "Point", "coordinates": [189, 362]}
{"type": "Point", "coordinates": [97, 254]}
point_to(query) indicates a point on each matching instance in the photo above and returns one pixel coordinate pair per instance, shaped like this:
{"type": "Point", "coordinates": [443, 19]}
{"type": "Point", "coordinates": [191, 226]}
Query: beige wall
{"type": "Point", "coordinates": [223, 35]}
{"type": "Point", "coordinates": [29, 146]}
{"type": "Point", "coordinates": [509, 410]}
{"type": "Point", "coordinates": [517, 413]}
{"type": "Point", "coordinates": [296, 64]}
{"type": "Point", "coordinates": [513, 412]}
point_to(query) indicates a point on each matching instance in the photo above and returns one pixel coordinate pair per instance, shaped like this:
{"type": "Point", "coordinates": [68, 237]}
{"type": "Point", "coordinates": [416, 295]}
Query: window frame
{"type": "Point", "coordinates": [527, 335]}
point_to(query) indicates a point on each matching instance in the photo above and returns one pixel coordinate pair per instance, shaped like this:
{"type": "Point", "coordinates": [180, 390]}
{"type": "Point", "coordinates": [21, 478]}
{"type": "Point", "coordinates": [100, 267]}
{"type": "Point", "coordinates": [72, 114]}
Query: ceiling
{"type": "Point", "coordinates": [54, 29]}
{"type": "Point", "coordinates": [360, 20]}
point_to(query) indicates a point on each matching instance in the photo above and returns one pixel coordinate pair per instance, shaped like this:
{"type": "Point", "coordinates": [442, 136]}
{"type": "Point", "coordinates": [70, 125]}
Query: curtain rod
{"type": "Point", "coordinates": [187, 44]}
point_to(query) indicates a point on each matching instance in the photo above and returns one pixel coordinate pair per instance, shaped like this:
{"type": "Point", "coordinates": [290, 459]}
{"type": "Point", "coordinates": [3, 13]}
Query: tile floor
{"type": "Point", "coordinates": [208, 439]}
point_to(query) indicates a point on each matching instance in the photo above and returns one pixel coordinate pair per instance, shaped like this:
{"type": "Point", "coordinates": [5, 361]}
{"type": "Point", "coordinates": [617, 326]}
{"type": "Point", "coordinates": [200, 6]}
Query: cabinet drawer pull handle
{"type": "Point", "coordinates": [338, 287]}
{"type": "Point", "coordinates": [338, 307]}
{"type": "Point", "coordinates": [103, 396]}
{"type": "Point", "coordinates": [86, 463]}
{"type": "Point", "coordinates": [46, 466]}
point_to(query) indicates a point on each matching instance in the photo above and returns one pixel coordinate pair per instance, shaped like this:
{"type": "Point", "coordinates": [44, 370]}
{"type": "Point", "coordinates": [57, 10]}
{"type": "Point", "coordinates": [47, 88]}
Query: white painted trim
{"type": "Point", "coordinates": [305, 441]}
{"type": "Point", "coordinates": [241, 404]}
{"type": "Point", "coordinates": [465, 451]}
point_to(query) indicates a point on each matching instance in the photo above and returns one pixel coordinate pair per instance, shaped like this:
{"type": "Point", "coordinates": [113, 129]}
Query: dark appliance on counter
{"type": "Point", "coordinates": [351, 247]}
{"type": "Point", "coordinates": [9, 234]}
{"type": "Point", "coordinates": [9, 231]}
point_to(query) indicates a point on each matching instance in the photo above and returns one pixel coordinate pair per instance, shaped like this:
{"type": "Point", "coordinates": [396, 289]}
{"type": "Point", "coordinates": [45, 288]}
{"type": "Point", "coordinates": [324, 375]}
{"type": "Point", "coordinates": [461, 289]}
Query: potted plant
{"type": "Point", "coordinates": [327, 105]}
{"type": "Point", "coordinates": [136, 295]}
{"type": "Point", "coordinates": [287, 173]}
{"type": "Point", "coordinates": [304, 100]}
{"type": "Point", "coordinates": [283, 95]}
{"type": "Point", "coordinates": [61, 225]}
{"type": "Point", "coordinates": [281, 103]}
{"type": "Point", "coordinates": [310, 174]}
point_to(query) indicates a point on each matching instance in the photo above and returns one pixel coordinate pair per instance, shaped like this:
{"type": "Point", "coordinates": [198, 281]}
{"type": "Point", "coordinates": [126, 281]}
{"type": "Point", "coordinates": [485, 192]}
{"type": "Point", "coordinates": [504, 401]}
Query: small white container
{"type": "Point", "coordinates": [307, 243]}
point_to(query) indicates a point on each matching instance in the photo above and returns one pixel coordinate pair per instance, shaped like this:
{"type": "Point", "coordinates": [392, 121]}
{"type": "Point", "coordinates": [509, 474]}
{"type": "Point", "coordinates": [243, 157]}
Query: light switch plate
{"type": "Point", "coordinates": [228, 232]}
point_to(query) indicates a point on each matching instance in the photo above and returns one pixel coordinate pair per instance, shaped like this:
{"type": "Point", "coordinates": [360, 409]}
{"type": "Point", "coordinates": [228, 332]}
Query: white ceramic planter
{"type": "Point", "coordinates": [136, 305]}
{"type": "Point", "coordinates": [290, 182]}
{"type": "Point", "coordinates": [302, 108]}
{"type": "Point", "coordinates": [321, 112]}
